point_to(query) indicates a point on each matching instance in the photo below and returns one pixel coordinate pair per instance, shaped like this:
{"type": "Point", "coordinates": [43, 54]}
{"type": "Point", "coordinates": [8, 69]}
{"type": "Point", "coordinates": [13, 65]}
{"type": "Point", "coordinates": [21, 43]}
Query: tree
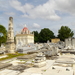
{"type": "Point", "coordinates": [45, 34]}
{"type": "Point", "coordinates": [65, 32]}
{"type": "Point", "coordinates": [3, 34]}
{"type": "Point", "coordinates": [36, 35]}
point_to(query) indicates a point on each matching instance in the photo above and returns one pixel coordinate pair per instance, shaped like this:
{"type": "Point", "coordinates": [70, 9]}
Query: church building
{"type": "Point", "coordinates": [24, 37]}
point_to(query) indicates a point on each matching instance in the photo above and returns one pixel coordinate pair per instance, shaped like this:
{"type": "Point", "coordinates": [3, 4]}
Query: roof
{"type": "Point", "coordinates": [24, 29]}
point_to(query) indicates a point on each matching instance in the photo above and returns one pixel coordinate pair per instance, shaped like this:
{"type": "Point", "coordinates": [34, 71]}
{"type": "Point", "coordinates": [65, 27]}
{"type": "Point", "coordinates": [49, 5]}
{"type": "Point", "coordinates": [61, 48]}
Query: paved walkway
{"type": "Point", "coordinates": [53, 67]}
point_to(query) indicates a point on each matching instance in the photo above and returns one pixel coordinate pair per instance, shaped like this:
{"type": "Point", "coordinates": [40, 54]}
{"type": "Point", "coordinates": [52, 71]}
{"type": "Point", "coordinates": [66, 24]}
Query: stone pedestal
{"type": "Point", "coordinates": [10, 47]}
{"type": "Point", "coordinates": [40, 60]}
{"type": "Point", "coordinates": [40, 64]}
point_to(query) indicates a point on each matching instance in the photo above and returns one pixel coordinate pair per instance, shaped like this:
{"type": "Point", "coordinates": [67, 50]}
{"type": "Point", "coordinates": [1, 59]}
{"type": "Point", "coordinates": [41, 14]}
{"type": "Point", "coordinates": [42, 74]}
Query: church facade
{"type": "Point", "coordinates": [24, 37]}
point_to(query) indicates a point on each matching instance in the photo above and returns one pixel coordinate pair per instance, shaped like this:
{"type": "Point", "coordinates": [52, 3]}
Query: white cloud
{"type": "Point", "coordinates": [21, 25]}
{"type": "Point", "coordinates": [4, 5]}
{"type": "Point", "coordinates": [65, 6]}
{"type": "Point", "coordinates": [72, 24]}
{"type": "Point", "coordinates": [35, 25]}
{"type": "Point", "coordinates": [45, 11]}
{"type": "Point", "coordinates": [18, 6]}
{"type": "Point", "coordinates": [10, 13]}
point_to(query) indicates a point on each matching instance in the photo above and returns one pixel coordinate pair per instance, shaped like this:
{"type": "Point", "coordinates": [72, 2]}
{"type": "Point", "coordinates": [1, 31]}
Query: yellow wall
{"type": "Point", "coordinates": [55, 40]}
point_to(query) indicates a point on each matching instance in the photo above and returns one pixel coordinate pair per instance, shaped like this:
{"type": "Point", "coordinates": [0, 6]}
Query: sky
{"type": "Point", "coordinates": [38, 14]}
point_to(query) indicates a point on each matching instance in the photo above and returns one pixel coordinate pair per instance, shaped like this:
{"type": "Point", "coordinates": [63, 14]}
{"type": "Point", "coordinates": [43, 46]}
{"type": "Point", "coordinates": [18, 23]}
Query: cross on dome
{"type": "Point", "coordinates": [25, 25]}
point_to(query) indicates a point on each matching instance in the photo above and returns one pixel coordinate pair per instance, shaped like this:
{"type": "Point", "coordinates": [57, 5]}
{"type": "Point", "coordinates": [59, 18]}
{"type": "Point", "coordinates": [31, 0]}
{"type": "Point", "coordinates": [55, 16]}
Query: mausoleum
{"type": "Point", "coordinates": [24, 37]}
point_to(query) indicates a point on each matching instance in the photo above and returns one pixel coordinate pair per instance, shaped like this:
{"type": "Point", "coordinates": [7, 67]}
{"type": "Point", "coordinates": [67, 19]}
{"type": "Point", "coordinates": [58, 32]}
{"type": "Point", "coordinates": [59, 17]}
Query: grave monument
{"type": "Point", "coordinates": [40, 60]}
{"type": "Point", "coordinates": [10, 45]}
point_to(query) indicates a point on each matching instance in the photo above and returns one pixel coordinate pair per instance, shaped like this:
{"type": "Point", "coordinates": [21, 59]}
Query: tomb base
{"type": "Point", "coordinates": [40, 64]}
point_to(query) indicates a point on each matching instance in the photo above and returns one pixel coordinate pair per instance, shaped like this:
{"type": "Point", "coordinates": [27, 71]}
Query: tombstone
{"type": "Point", "coordinates": [40, 60]}
{"type": "Point", "coordinates": [73, 43]}
{"type": "Point", "coordinates": [47, 41]}
{"type": "Point", "coordinates": [70, 43]}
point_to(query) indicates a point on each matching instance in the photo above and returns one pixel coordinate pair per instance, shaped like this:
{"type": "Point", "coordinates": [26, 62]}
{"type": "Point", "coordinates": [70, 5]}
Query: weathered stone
{"type": "Point", "coordinates": [18, 68]}
{"type": "Point", "coordinates": [4, 65]}
{"type": "Point", "coordinates": [70, 43]}
{"type": "Point", "coordinates": [40, 60]}
{"type": "Point", "coordinates": [27, 56]}
{"type": "Point", "coordinates": [10, 45]}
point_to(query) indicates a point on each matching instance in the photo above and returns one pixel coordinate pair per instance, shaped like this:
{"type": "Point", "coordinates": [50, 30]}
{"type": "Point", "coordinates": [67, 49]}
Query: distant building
{"type": "Point", "coordinates": [55, 40]}
{"type": "Point", "coordinates": [24, 37]}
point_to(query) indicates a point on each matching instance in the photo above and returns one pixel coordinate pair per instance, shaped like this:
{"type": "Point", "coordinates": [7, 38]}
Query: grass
{"type": "Point", "coordinates": [12, 56]}
{"type": "Point", "coordinates": [32, 61]}
{"type": "Point", "coordinates": [44, 70]}
{"type": "Point", "coordinates": [24, 61]}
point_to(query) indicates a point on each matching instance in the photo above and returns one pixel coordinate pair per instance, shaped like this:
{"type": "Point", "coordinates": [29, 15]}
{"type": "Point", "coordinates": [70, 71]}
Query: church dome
{"type": "Point", "coordinates": [25, 30]}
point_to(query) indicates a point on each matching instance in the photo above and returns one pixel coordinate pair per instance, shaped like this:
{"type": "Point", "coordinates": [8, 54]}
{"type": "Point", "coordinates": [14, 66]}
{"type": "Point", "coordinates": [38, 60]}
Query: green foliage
{"type": "Point", "coordinates": [3, 34]}
{"type": "Point", "coordinates": [45, 34]}
{"type": "Point", "coordinates": [65, 32]}
{"type": "Point", "coordinates": [36, 36]}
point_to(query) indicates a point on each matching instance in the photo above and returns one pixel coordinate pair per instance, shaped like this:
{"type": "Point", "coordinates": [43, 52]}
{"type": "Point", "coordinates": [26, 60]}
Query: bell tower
{"type": "Point", "coordinates": [10, 45]}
